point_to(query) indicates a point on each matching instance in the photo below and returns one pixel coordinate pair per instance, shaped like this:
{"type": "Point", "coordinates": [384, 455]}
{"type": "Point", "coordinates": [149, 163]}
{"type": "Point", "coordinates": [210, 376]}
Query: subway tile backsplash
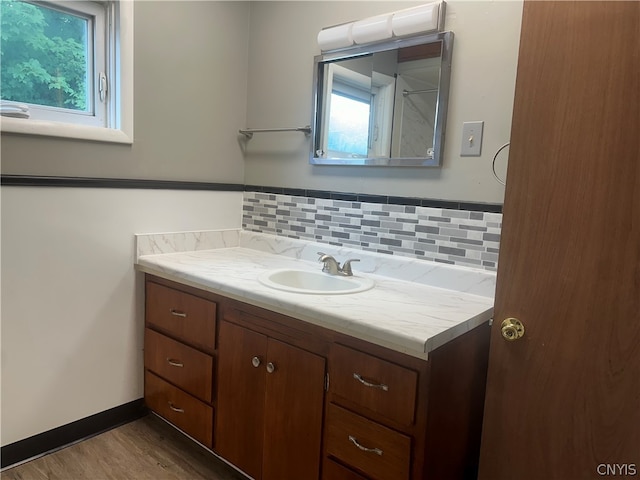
{"type": "Point", "coordinates": [459, 237]}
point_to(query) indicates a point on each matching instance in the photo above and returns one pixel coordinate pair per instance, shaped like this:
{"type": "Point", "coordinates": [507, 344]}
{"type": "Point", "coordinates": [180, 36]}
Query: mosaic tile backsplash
{"type": "Point", "coordinates": [458, 237]}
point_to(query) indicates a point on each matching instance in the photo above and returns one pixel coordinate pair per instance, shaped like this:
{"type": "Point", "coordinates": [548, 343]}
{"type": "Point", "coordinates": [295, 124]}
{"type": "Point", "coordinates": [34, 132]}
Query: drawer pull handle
{"type": "Point", "coordinates": [175, 409]}
{"type": "Point", "coordinates": [381, 386]}
{"type": "Point", "coordinates": [177, 313]}
{"type": "Point", "coordinates": [174, 363]}
{"type": "Point", "coordinates": [354, 440]}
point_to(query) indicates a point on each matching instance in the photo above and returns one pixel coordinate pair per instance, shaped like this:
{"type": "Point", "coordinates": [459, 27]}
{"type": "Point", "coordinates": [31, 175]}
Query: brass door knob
{"type": "Point", "coordinates": [512, 329]}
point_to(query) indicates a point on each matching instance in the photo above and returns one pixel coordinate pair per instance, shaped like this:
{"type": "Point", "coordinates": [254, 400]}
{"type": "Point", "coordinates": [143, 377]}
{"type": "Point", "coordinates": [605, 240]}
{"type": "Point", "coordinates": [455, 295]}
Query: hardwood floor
{"type": "Point", "coordinates": [147, 448]}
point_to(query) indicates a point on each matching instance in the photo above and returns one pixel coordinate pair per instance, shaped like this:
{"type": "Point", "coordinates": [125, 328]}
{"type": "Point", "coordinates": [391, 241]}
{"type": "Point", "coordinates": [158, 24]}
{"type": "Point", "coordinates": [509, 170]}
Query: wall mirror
{"type": "Point", "coordinates": [383, 104]}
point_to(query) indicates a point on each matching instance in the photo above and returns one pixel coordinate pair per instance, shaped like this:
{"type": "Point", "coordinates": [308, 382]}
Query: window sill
{"type": "Point", "coordinates": [64, 130]}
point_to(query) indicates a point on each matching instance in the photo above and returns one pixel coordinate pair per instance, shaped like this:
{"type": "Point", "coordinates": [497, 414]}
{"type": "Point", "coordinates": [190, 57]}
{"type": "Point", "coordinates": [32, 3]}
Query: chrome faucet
{"type": "Point", "coordinates": [332, 267]}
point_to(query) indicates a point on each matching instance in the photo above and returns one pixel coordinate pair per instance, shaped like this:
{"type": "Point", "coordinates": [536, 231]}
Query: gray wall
{"type": "Point", "coordinates": [72, 304]}
{"type": "Point", "coordinates": [190, 64]}
{"type": "Point", "coordinates": [282, 46]}
{"type": "Point", "coordinates": [205, 69]}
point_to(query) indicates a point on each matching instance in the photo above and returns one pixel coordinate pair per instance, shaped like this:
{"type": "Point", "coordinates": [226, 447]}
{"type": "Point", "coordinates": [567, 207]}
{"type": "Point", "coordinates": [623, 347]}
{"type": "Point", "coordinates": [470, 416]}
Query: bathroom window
{"type": "Point", "coordinates": [67, 69]}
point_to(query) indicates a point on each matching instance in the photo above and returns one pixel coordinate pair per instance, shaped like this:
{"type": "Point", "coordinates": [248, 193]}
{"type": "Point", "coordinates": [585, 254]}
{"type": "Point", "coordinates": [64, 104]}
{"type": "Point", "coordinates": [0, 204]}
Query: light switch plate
{"type": "Point", "coordinates": [471, 139]}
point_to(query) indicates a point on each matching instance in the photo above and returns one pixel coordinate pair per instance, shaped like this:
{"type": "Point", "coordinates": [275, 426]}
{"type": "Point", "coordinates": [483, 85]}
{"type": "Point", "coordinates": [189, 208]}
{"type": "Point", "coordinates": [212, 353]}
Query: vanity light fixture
{"type": "Point", "coordinates": [336, 37]}
{"type": "Point", "coordinates": [403, 23]}
{"type": "Point", "coordinates": [372, 29]}
{"type": "Point", "coordinates": [422, 19]}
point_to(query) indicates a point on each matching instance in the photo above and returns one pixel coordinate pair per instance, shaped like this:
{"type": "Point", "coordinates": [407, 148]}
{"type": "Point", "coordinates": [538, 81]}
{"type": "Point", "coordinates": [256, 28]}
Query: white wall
{"type": "Point", "coordinates": [72, 312]}
{"type": "Point", "coordinates": [72, 315]}
{"type": "Point", "coordinates": [282, 46]}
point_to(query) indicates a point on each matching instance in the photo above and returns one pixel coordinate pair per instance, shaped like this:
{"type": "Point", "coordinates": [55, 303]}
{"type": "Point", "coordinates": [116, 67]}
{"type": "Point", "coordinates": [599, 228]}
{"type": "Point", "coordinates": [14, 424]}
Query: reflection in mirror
{"type": "Point", "coordinates": [348, 108]}
{"type": "Point", "coordinates": [383, 104]}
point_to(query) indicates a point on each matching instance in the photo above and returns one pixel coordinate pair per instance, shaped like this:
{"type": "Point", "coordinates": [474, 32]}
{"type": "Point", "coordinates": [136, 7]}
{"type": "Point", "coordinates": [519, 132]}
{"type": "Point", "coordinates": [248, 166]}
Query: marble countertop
{"type": "Point", "coordinates": [412, 317]}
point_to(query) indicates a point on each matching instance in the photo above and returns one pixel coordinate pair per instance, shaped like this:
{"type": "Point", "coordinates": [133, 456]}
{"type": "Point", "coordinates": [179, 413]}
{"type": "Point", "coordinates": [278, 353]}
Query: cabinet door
{"type": "Point", "coordinates": [241, 389]}
{"type": "Point", "coordinates": [293, 413]}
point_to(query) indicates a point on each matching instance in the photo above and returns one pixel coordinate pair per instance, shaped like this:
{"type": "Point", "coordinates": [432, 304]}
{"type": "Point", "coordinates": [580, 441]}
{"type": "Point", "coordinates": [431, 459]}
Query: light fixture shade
{"type": "Point", "coordinates": [335, 37]}
{"type": "Point", "coordinates": [424, 18]}
{"type": "Point", "coordinates": [373, 29]}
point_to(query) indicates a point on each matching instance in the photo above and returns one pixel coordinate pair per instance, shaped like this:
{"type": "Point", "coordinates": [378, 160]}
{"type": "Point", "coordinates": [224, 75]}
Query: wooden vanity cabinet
{"type": "Point", "coordinates": [283, 399]}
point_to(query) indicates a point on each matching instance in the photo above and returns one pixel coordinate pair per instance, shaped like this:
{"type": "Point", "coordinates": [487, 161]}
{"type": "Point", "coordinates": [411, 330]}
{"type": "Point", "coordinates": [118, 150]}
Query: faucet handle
{"type": "Point", "coordinates": [323, 256]}
{"type": "Point", "coordinates": [346, 266]}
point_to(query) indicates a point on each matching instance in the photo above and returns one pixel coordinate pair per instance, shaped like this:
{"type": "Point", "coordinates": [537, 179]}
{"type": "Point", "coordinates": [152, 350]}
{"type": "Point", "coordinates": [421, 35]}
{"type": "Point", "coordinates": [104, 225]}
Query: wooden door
{"type": "Point", "coordinates": [293, 413]}
{"type": "Point", "coordinates": [241, 390]}
{"type": "Point", "coordinates": [563, 402]}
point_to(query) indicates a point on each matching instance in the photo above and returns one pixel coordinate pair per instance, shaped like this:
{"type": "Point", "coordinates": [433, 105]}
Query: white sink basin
{"type": "Point", "coordinates": [317, 283]}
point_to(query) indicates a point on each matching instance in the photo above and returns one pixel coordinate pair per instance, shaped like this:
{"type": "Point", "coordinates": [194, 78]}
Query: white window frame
{"type": "Point", "coordinates": [97, 16]}
{"type": "Point", "coordinates": [115, 122]}
{"type": "Point", "coordinates": [382, 87]}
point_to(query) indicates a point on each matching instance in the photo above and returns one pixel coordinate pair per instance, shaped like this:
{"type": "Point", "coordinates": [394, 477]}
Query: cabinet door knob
{"type": "Point", "coordinates": [255, 361]}
{"type": "Point", "coordinates": [512, 329]}
{"type": "Point", "coordinates": [271, 367]}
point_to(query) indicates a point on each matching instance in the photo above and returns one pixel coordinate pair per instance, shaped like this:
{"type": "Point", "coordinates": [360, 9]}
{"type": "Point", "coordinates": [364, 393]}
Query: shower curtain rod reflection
{"type": "Point", "coordinates": [413, 92]}
{"type": "Point", "coordinates": [248, 132]}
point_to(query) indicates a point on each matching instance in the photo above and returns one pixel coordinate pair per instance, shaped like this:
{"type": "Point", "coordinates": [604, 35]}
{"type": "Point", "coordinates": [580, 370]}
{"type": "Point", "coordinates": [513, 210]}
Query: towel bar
{"type": "Point", "coordinates": [248, 132]}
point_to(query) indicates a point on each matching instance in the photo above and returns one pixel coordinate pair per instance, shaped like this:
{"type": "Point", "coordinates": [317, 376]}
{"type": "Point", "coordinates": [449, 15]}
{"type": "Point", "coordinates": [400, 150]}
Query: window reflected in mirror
{"type": "Point", "coordinates": [348, 125]}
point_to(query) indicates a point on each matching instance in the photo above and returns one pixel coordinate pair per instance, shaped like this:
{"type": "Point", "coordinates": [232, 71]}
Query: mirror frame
{"type": "Point", "coordinates": [441, 107]}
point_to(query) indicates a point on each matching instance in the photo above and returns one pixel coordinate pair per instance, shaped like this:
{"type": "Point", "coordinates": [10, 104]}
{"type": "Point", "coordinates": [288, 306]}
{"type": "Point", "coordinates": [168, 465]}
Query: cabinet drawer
{"type": "Point", "coordinates": [180, 364]}
{"type": "Point", "coordinates": [185, 317]}
{"type": "Point", "coordinates": [334, 471]}
{"type": "Point", "coordinates": [378, 451]}
{"type": "Point", "coordinates": [373, 383]}
{"type": "Point", "coordinates": [189, 414]}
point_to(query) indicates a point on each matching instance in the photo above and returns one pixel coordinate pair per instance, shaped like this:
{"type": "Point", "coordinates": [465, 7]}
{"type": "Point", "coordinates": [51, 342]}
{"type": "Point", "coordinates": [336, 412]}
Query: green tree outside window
{"type": "Point", "coordinates": [43, 56]}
